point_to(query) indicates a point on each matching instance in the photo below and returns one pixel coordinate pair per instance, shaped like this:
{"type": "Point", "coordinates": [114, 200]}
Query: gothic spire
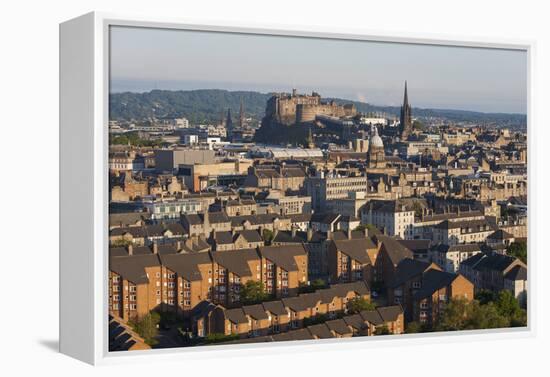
{"type": "Point", "coordinates": [405, 97]}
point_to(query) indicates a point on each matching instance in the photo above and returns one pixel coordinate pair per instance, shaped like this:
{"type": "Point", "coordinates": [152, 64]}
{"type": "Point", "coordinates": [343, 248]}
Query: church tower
{"type": "Point", "coordinates": [405, 124]}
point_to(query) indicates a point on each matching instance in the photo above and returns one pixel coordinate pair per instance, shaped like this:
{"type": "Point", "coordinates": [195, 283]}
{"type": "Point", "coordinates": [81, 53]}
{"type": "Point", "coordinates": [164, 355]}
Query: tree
{"type": "Point", "coordinates": [121, 243]}
{"type": "Point", "coordinates": [382, 330]}
{"type": "Point", "coordinates": [485, 296]}
{"type": "Point", "coordinates": [359, 304]}
{"type": "Point", "coordinates": [267, 236]}
{"type": "Point", "coordinates": [455, 315]}
{"type": "Point", "coordinates": [219, 337]}
{"type": "Point", "coordinates": [313, 286]}
{"type": "Point", "coordinates": [147, 327]}
{"type": "Point", "coordinates": [508, 306]}
{"type": "Point", "coordinates": [417, 207]}
{"type": "Point", "coordinates": [253, 292]}
{"type": "Point", "coordinates": [413, 328]}
{"type": "Point", "coordinates": [486, 317]}
{"type": "Point", "coordinates": [518, 249]}
{"type": "Point", "coordinates": [362, 227]}
{"type": "Point", "coordinates": [503, 311]}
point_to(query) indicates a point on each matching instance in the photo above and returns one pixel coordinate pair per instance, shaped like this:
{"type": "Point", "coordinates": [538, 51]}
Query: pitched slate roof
{"type": "Point", "coordinates": [496, 262]}
{"type": "Point", "coordinates": [356, 321]}
{"type": "Point", "coordinates": [339, 326]}
{"type": "Point", "coordinates": [300, 303]}
{"type": "Point", "coordinates": [473, 260]}
{"type": "Point", "coordinates": [127, 218]}
{"type": "Point", "coordinates": [395, 250]}
{"type": "Point", "coordinates": [355, 234]}
{"type": "Point", "coordinates": [236, 315]}
{"type": "Point", "coordinates": [135, 231]}
{"type": "Point", "coordinates": [236, 261]}
{"type": "Point", "coordinates": [285, 236]}
{"type": "Point", "coordinates": [433, 280]}
{"type": "Point", "coordinates": [250, 235]}
{"type": "Point", "coordinates": [327, 295]}
{"type": "Point", "coordinates": [500, 235]}
{"type": "Point", "coordinates": [257, 311]}
{"type": "Point", "coordinates": [223, 238]}
{"type": "Point", "coordinates": [406, 270]}
{"type": "Point", "coordinates": [132, 267]}
{"type": "Point", "coordinates": [416, 245]}
{"type": "Point", "coordinates": [517, 273]}
{"type": "Point", "coordinates": [372, 316]}
{"type": "Point", "coordinates": [356, 249]}
{"type": "Point", "coordinates": [320, 331]}
{"type": "Point", "coordinates": [474, 225]}
{"type": "Point", "coordinates": [284, 256]}
{"type": "Point", "coordinates": [275, 307]}
{"type": "Point", "coordinates": [389, 313]}
{"type": "Point", "coordinates": [186, 265]}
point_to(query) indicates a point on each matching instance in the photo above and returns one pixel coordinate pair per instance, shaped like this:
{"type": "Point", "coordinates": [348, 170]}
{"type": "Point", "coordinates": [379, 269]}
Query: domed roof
{"type": "Point", "coordinates": [375, 140]}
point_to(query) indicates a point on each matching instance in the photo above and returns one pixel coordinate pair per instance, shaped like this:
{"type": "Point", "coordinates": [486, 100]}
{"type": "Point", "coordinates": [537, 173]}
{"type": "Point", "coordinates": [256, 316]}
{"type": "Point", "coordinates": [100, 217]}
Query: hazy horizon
{"type": "Point", "coordinates": [439, 77]}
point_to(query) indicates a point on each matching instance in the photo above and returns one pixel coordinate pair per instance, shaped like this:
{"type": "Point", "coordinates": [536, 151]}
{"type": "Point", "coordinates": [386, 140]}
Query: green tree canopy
{"type": "Point", "coordinates": [359, 304]}
{"type": "Point", "coordinates": [147, 327]}
{"type": "Point", "coordinates": [413, 328]}
{"type": "Point", "coordinates": [253, 292]}
{"type": "Point", "coordinates": [382, 330]}
{"type": "Point", "coordinates": [267, 236]}
{"type": "Point", "coordinates": [518, 249]}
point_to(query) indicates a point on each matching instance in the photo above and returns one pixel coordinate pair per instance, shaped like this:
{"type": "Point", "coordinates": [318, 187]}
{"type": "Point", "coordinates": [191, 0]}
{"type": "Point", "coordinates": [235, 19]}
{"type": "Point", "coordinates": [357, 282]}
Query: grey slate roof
{"type": "Point", "coordinates": [339, 326]}
{"type": "Point", "coordinates": [433, 280]}
{"type": "Point", "coordinates": [406, 270]}
{"type": "Point", "coordinates": [356, 249]}
{"type": "Point", "coordinates": [255, 311]}
{"type": "Point", "coordinates": [283, 256]}
{"type": "Point", "coordinates": [236, 261]}
{"type": "Point", "coordinates": [389, 313]}
{"type": "Point", "coordinates": [516, 273]}
{"type": "Point", "coordinates": [132, 267]}
{"type": "Point", "coordinates": [236, 315]}
{"type": "Point", "coordinates": [275, 307]}
{"type": "Point", "coordinates": [186, 265]}
{"type": "Point", "coordinates": [320, 331]}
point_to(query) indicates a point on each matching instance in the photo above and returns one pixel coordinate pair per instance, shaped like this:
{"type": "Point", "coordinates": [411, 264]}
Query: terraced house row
{"type": "Point", "coordinates": [329, 306]}
{"type": "Point", "coordinates": [176, 277]}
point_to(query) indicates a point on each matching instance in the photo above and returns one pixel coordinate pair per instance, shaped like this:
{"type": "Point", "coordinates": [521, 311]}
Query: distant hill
{"type": "Point", "coordinates": [206, 106]}
{"type": "Point", "coordinates": [199, 106]}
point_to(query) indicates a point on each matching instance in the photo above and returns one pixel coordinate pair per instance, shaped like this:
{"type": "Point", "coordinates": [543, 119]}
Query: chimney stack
{"type": "Point", "coordinates": [130, 249]}
{"type": "Point", "coordinates": [155, 248]}
{"type": "Point", "coordinates": [329, 235]}
{"type": "Point", "coordinates": [349, 232]}
{"type": "Point", "coordinates": [293, 230]}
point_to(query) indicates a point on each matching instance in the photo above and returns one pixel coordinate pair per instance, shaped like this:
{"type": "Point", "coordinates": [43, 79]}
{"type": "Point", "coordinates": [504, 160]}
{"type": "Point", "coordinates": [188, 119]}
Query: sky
{"type": "Point", "coordinates": [446, 77]}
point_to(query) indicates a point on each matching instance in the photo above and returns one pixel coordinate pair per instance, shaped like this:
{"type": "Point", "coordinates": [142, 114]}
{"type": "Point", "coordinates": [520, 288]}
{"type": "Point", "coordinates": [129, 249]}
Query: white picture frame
{"type": "Point", "coordinates": [84, 90]}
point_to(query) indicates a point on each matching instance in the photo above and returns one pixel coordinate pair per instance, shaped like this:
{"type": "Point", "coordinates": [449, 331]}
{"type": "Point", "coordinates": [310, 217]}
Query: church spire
{"type": "Point", "coordinates": [405, 97]}
{"type": "Point", "coordinates": [405, 119]}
